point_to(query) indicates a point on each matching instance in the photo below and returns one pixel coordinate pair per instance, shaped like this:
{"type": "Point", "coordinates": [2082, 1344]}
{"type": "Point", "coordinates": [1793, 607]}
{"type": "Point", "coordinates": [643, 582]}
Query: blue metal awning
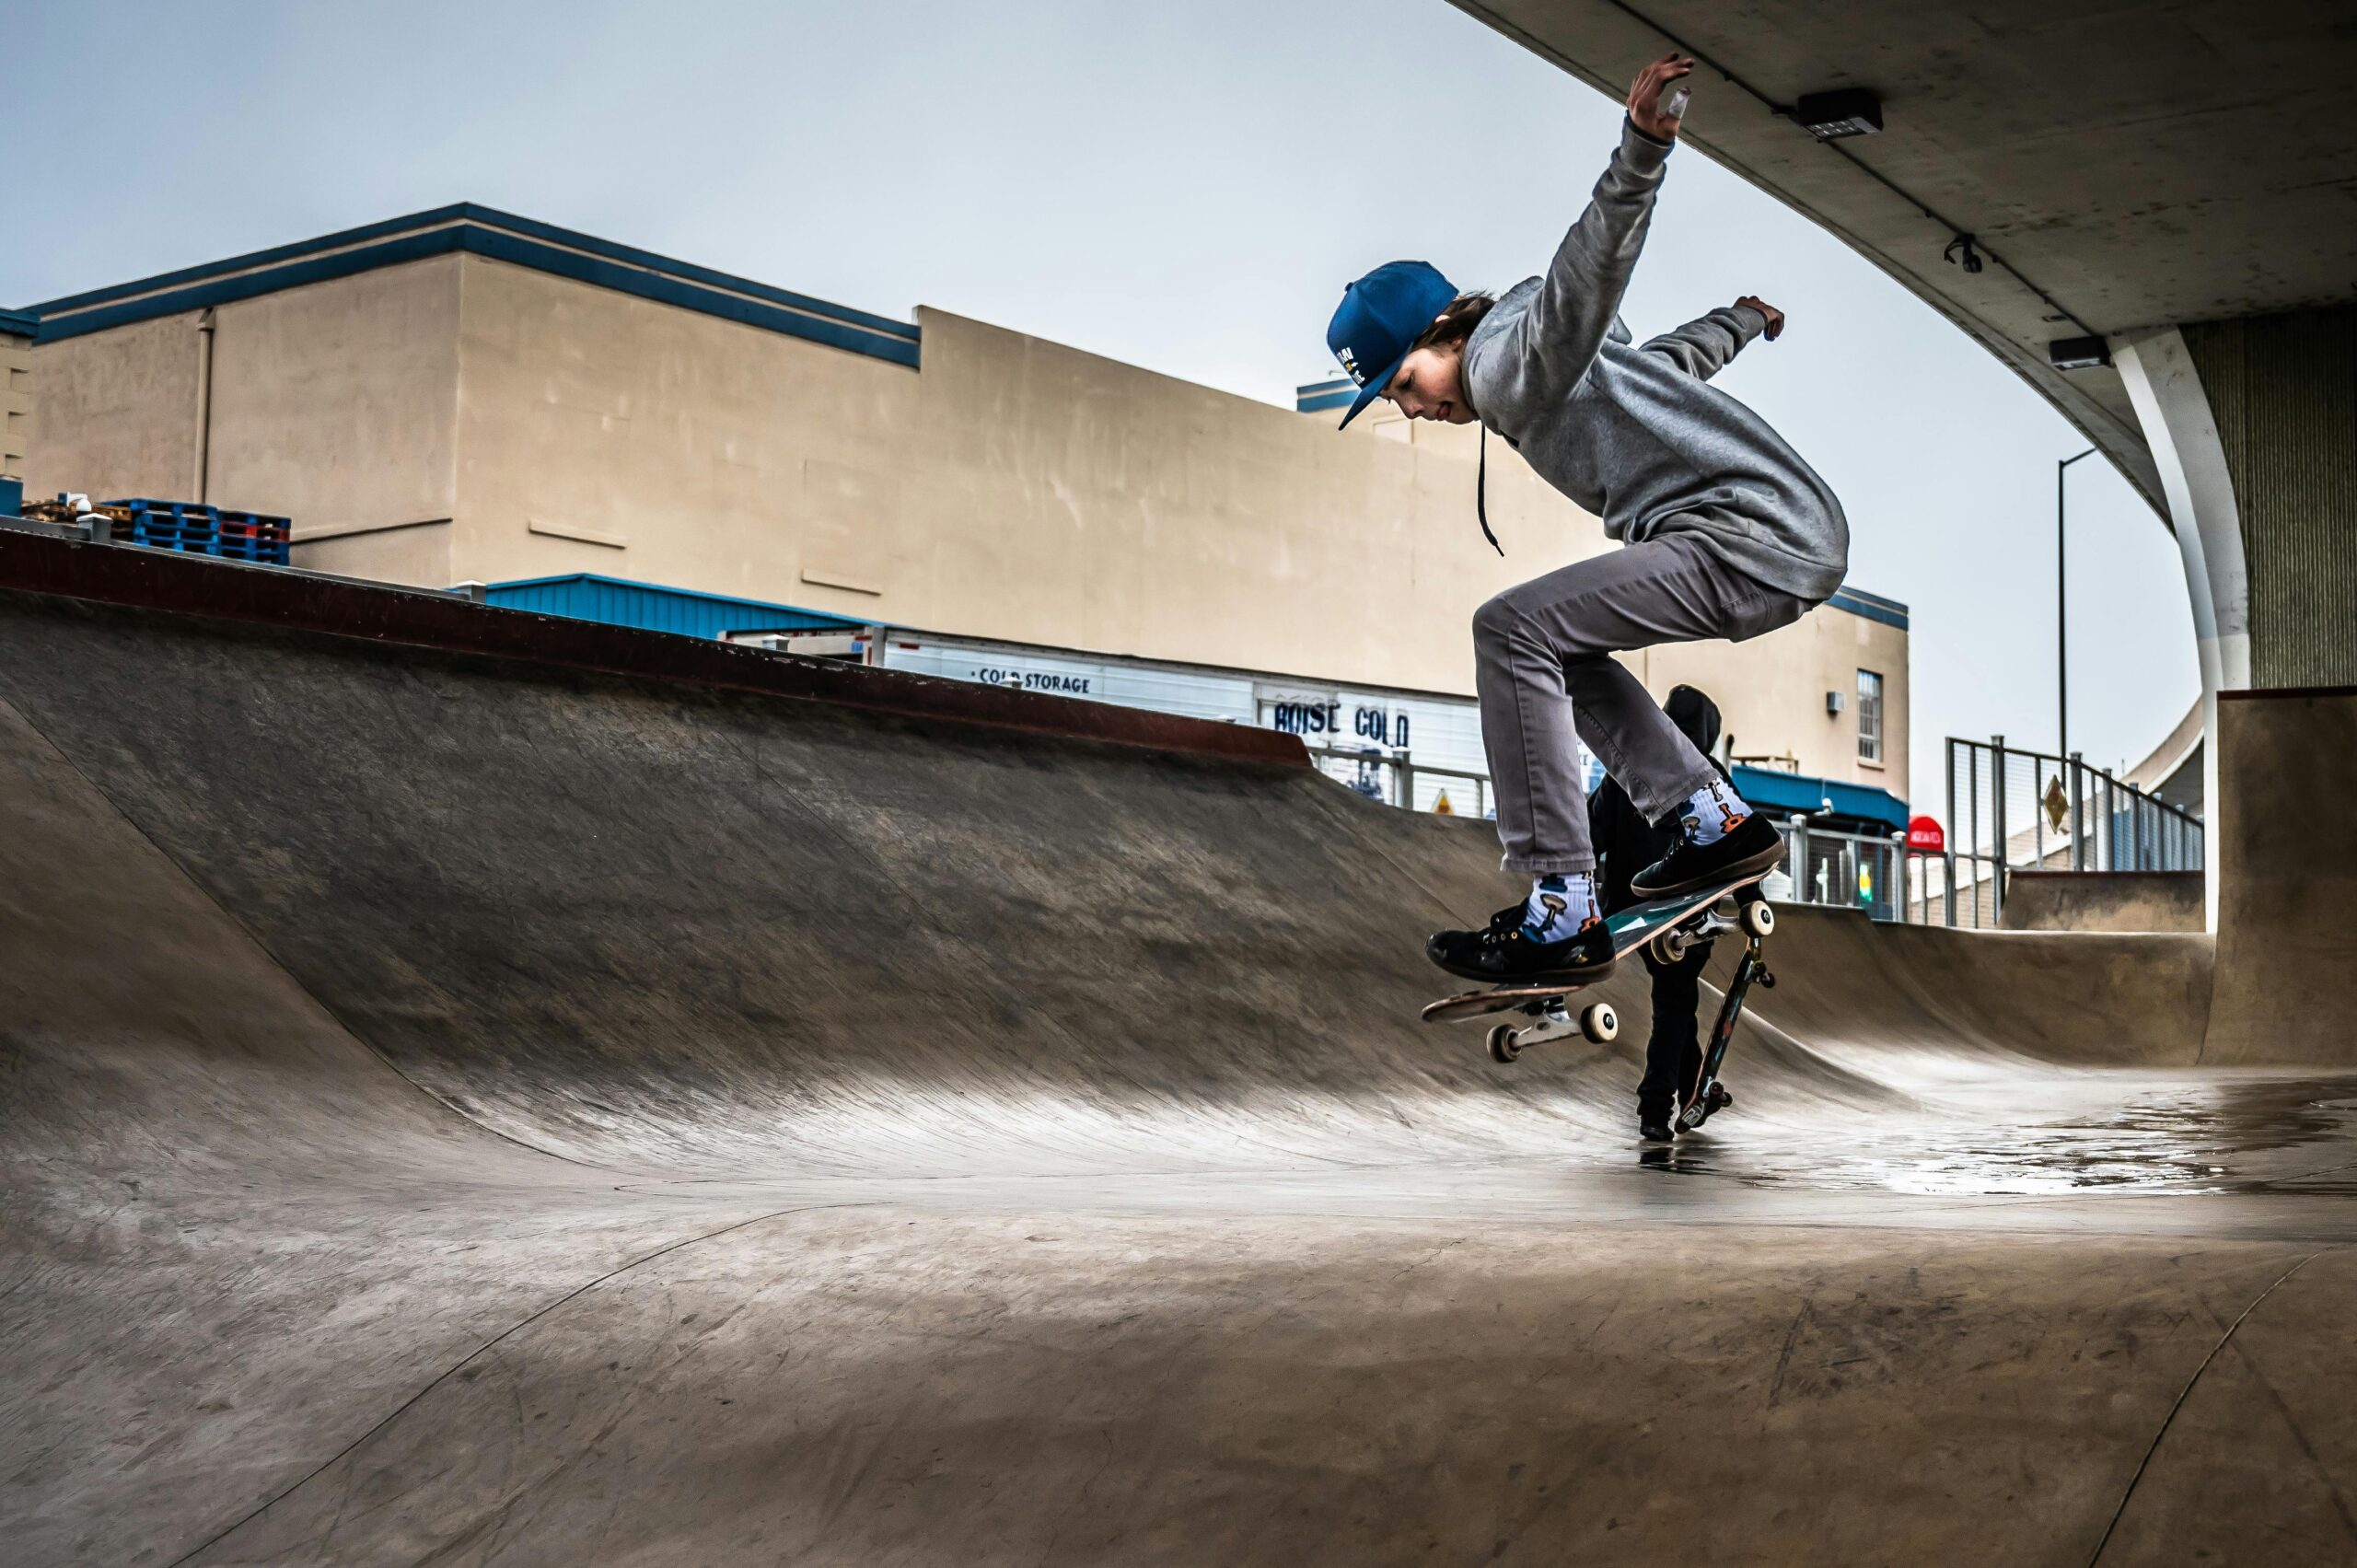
{"type": "Point", "coordinates": [616, 601]}
{"type": "Point", "coordinates": [1786, 793]}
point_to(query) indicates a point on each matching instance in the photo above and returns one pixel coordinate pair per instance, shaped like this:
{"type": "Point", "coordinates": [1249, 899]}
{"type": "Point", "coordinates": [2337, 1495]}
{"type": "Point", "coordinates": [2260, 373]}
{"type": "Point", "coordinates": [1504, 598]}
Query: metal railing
{"type": "Point", "coordinates": [2014, 809]}
{"type": "Point", "coordinates": [1841, 870]}
{"type": "Point", "coordinates": [2008, 809]}
{"type": "Point", "coordinates": [1396, 778]}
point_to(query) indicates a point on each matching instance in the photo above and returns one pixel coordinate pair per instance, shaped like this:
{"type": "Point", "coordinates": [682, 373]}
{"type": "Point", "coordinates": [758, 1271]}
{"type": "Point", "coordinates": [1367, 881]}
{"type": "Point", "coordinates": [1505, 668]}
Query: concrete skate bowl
{"type": "Point", "coordinates": [475, 1110]}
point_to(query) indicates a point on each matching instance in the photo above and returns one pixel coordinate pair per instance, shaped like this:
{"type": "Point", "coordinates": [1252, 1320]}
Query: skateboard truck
{"type": "Point", "coordinates": [1596, 1022]}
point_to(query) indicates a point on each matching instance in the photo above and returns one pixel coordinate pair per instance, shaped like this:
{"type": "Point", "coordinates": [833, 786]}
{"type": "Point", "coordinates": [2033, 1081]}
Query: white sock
{"type": "Point", "coordinates": [1560, 904]}
{"type": "Point", "coordinates": [1712, 812]}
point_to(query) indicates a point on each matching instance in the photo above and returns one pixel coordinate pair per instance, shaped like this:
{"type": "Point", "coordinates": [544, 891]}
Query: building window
{"type": "Point", "coordinates": [1869, 717]}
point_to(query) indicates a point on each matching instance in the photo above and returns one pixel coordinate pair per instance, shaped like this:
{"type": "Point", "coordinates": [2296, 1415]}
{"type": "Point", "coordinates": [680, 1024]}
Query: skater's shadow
{"type": "Point", "coordinates": [1676, 1161]}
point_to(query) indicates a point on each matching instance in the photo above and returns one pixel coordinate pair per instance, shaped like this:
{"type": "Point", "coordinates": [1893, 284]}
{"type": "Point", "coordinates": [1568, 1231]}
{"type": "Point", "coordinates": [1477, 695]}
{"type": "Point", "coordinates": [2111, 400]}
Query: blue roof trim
{"type": "Point", "coordinates": [18, 323]}
{"type": "Point", "coordinates": [1856, 592]}
{"type": "Point", "coordinates": [1772, 791]}
{"type": "Point", "coordinates": [483, 232]}
{"type": "Point", "coordinates": [1874, 607]}
{"type": "Point", "coordinates": [342, 238]}
{"type": "Point", "coordinates": [630, 255]}
{"type": "Point", "coordinates": [499, 246]}
{"type": "Point", "coordinates": [1317, 397]}
{"type": "Point", "coordinates": [100, 316]}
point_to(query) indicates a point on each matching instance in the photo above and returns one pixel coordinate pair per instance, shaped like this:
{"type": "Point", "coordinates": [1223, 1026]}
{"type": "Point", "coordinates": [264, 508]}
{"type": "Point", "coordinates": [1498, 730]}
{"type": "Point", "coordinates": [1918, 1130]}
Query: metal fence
{"type": "Point", "coordinates": [1396, 778]}
{"type": "Point", "coordinates": [1842, 870]}
{"type": "Point", "coordinates": [2008, 808]}
{"type": "Point", "coordinates": [2011, 808]}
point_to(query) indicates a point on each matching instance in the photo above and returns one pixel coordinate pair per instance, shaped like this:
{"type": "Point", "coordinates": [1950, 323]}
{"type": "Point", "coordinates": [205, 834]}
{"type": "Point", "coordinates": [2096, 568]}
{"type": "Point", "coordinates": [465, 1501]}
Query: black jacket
{"type": "Point", "coordinates": [1625, 842]}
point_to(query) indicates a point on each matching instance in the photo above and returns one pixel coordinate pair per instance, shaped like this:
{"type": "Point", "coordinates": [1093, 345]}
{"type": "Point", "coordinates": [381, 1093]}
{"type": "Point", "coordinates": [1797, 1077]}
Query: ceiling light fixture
{"type": "Point", "coordinates": [1844, 111]}
{"type": "Point", "coordinates": [2078, 353]}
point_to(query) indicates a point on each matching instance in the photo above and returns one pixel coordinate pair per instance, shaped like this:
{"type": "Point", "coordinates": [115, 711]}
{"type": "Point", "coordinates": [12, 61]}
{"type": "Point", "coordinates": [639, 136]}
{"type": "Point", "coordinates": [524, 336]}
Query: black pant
{"type": "Point", "coordinates": [1674, 1055]}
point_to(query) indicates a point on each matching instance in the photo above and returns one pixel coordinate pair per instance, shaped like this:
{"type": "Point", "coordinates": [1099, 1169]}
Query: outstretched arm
{"type": "Point", "coordinates": [1702, 347]}
{"type": "Point", "coordinates": [1557, 339]}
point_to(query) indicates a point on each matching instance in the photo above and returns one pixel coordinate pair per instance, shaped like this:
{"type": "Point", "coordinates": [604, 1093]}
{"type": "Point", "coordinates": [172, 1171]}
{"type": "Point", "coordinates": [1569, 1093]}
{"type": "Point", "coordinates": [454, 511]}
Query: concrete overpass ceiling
{"type": "Point", "coordinates": [2122, 167]}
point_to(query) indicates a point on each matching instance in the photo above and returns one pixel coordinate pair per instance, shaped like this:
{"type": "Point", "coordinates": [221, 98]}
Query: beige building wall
{"type": "Point", "coordinates": [16, 404]}
{"type": "Point", "coordinates": [1013, 488]}
{"type": "Point", "coordinates": [334, 405]}
{"type": "Point", "coordinates": [337, 406]}
{"type": "Point", "coordinates": [461, 417]}
{"type": "Point", "coordinates": [117, 414]}
{"type": "Point", "coordinates": [1772, 693]}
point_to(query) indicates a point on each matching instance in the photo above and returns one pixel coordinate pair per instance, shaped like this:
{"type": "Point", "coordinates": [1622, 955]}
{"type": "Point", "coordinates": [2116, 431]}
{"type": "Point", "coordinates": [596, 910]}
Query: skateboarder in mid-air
{"type": "Point", "coordinates": [1727, 532]}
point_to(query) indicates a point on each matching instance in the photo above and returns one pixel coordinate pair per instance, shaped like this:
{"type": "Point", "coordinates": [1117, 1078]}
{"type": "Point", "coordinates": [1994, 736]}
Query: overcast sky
{"type": "Point", "coordinates": [1185, 187]}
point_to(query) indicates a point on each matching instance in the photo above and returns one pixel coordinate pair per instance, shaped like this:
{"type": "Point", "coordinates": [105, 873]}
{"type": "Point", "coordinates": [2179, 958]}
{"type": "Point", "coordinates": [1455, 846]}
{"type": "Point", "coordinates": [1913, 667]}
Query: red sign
{"type": "Point", "coordinates": [1924, 834]}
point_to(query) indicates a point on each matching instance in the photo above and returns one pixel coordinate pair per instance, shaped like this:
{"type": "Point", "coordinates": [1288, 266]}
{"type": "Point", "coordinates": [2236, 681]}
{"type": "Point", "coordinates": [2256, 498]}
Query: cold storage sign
{"type": "Point", "coordinates": [1323, 716]}
{"type": "Point", "coordinates": [1031, 679]}
{"type": "Point", "coordinates": [1305, 717]}
{"type": "Point", "coordinates": [1383, 728]}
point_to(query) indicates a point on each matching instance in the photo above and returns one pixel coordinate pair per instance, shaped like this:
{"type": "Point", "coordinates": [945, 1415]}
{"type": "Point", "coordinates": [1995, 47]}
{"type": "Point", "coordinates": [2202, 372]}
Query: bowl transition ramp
{"type": "Point", "coordinates": [468, 1109]}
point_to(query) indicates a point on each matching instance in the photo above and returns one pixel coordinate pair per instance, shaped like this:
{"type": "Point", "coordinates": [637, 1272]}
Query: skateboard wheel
{"type": "Point", "coordinates": [1600, 1022]}
{"type": "Point", "coordinates": [1501, 1046]}
{"type": "Point", "coordinates": [1758, 919]}
{"type": "Point", "coordinates": [1766, 980]}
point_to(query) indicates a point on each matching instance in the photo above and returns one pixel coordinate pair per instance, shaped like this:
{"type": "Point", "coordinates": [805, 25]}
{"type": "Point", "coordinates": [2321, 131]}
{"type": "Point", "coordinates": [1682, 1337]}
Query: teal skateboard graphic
{"type": "Point", "coordinates": [1669, 928]}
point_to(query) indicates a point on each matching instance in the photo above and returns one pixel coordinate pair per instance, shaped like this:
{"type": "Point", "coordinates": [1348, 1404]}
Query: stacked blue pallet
{"type": "Point", "coordinates": [203, 530]}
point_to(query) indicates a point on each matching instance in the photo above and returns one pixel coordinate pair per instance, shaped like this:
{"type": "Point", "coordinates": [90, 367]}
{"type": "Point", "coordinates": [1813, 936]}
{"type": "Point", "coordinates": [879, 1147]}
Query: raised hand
{"type": "Point", "coordinates": [1645, 93]}
{"type": "Point", "coordinates": [1775, 316]}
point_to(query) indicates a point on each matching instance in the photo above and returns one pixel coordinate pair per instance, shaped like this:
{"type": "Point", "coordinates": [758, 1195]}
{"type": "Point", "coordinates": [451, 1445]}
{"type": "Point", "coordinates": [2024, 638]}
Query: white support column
{"type": "Point", "coordinates": [2183, 435]}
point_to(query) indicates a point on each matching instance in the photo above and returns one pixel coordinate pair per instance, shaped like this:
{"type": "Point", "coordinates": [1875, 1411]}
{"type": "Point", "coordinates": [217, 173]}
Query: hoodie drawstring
{"type": "Point", "coordinates": [1481, 493]}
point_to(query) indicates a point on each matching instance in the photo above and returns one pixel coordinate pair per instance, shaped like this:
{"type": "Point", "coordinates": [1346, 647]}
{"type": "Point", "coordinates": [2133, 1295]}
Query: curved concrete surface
{"type": "Point", "coordinates": [466, 1112]}
{"type": "Point", "coordinates": [2105, 900]}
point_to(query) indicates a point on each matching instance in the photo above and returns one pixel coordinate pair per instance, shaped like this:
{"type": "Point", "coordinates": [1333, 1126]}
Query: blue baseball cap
{"type": "Point", "coordinates": [1380, 315]}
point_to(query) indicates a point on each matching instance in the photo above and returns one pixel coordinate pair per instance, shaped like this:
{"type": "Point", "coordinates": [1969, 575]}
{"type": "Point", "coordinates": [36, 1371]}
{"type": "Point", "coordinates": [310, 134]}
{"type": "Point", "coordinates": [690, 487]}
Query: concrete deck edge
{"type": "Point", "coordinates": [225, 590]}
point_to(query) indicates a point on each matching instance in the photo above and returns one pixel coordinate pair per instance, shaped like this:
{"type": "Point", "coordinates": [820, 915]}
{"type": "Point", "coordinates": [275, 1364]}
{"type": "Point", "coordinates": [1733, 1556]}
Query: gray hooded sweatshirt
{"type": "Point", "coordinates": [1636, 435]}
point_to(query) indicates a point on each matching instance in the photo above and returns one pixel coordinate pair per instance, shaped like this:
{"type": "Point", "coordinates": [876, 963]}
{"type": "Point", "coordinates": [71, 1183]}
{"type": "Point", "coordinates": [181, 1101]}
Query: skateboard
{"type": "Point", "coordinates": [1708, 1094]}
{"type": "Point", "coordinates": [1669, 928]}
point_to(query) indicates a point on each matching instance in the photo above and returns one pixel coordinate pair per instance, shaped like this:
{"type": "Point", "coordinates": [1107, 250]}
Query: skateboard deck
{"type": "Point", "coordinates": [1631, 928]}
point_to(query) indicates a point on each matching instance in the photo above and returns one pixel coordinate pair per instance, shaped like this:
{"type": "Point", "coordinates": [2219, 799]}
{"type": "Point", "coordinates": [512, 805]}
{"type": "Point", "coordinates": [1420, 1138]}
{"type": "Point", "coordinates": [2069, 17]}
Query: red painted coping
{"type": "Point", "coordinates": [174, 584]}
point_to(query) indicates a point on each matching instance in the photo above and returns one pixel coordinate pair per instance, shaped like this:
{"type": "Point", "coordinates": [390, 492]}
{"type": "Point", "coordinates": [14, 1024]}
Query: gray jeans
{"type": "Point", "coordinates": [1545, 671]}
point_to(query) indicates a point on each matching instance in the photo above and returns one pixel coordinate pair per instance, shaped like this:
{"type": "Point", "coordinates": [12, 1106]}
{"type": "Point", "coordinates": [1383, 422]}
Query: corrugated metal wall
{"type": "Point", "coordinates": [2284, 391]}
{"type": "Point", "coordinates": [618, 603]}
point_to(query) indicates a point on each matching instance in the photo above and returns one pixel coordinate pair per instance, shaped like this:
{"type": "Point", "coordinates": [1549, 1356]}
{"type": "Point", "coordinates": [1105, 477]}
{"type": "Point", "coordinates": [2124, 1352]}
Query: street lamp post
{"type": "Point", "coordinates": [2063, 654]}
{"type": "Point", "coordinates": [2061, 616]}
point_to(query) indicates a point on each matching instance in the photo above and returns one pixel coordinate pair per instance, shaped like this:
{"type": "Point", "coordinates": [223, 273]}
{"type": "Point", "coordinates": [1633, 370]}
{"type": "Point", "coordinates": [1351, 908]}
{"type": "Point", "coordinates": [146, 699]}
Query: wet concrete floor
{"type": "Point", "coordinates": [586, 1121]}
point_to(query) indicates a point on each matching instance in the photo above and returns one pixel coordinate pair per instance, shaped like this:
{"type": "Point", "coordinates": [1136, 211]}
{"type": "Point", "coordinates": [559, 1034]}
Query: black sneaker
{"type": "Point", "coordinates": [1751, 846]}
{"type": "Point", "coordinates": [1504, 954]}
{"type": "Point", "coordinates": [1655, 1127]}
